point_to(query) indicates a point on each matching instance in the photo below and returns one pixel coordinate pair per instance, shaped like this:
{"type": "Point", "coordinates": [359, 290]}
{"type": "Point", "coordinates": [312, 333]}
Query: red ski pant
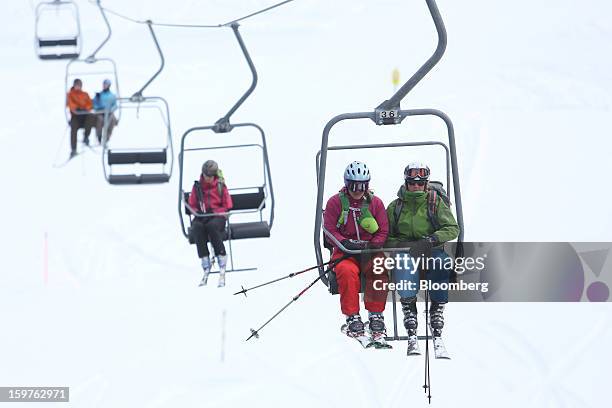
{"type": "Point", "coordinates": [349, 284]}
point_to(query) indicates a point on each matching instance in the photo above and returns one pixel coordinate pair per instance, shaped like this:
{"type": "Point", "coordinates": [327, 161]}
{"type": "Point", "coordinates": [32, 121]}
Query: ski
{"type": "Point", "coordinates": [379, 342]}
{"type": "Point", "coordinates": [439, 348]}
{"type": "Point", "coordinates": [365, 341]}
{"type": "Point", "coordinates": [413, 346]}
{"type": "Point", "coordinates": [64, 163]}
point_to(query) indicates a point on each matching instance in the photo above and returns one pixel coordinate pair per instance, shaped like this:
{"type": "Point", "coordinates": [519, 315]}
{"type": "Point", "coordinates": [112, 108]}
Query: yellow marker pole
{"type": "Point", "coordinates": [395, 78]}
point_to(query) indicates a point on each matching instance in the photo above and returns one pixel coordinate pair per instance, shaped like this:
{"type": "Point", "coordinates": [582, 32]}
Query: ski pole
{"type": "Point", "coordinates": [291, 275]}
{"type": "Point", "coordinates": [427, 385]}
{"type": "Point", "coordinates": [255, 333]}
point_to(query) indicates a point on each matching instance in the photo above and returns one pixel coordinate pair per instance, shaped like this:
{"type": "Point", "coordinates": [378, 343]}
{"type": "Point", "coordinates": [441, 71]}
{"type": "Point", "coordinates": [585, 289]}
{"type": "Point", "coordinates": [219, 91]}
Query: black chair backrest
{"type": "Point", "coordinates": [241, 201]}
{"type": "Point", "coordinates": [248, 201]}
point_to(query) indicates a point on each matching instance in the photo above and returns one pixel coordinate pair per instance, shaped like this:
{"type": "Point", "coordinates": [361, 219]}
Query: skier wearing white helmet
{"type": "Point", "coordinates": [420, 218]}
{"type": "Point", "coordinates": [357, 219]}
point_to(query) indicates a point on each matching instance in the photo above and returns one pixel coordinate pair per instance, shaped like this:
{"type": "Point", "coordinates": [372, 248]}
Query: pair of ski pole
{"type": "Point", "coordinates": [330, 264]}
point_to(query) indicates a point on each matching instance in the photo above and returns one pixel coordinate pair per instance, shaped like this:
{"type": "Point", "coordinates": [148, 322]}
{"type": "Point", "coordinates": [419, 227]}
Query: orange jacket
{"type": "Point", "coordinates": [78, 100]}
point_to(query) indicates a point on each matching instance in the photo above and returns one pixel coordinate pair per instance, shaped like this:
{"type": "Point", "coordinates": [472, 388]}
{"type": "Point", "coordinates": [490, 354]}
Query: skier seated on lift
{"type": "Point", "coordinates": [210, 196]}
{"type": "Point", "coordinates": [357, 219]}
{"type": "Point", "coordinates": [421, 219]}
{"type": "Point", "coordinates": [80, 106]}
{"type": "Point", "coordinates": [105, 101]}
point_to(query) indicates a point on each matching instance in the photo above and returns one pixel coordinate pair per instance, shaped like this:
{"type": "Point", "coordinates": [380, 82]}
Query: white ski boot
{"type": "Point", "coordinates": [206, 266]}
{"type": "Point", "coordinates": [222, 261]}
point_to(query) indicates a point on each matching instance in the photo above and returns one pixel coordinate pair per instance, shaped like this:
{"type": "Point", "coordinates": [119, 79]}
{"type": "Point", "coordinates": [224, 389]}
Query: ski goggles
{"type": "Point", "coordinates": [357, 185]}
{"type": "Point", "coordinates": [414, 173]}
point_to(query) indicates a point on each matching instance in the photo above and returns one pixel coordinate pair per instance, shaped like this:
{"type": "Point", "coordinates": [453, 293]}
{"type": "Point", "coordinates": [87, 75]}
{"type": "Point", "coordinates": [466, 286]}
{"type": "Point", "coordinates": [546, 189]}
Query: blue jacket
{"type": "Point", "coordinates": [105, 100]}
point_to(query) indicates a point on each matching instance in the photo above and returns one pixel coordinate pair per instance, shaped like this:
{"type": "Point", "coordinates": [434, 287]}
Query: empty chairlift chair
{"type": "Point", "coordinates": [139, 160]}
{"type": "Point", "coordinates": [51, 42]}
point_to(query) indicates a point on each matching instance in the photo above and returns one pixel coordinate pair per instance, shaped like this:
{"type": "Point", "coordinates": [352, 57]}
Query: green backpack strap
{"type": "Point", "coordinates": [345, 209]}
{"type": "Point", "coordinates": [399, 205]}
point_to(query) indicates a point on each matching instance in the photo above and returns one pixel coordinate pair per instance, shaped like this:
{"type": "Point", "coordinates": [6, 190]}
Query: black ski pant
{"type": "Point", "coordinates": [206, 229]}
{"type": "Point", "coordinates": [80, 121]}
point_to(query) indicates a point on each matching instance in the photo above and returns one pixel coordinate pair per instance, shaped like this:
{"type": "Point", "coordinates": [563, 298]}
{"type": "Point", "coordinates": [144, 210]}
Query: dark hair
{"type": "Point", "coordinates": [77, 81]}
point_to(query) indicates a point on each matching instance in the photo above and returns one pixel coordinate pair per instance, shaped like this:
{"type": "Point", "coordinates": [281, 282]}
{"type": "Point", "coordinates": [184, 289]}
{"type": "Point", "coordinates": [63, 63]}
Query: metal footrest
{"type": "Point", "coordinates": [401, 338]}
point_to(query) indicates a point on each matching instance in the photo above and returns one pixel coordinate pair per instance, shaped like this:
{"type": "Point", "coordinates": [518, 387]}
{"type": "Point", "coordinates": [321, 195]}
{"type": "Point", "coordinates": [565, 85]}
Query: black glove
{"type": "Point", "coordinates": [433, 239]}
{"type": "Point", "coordinates": [422, 247]}
{"type": "Point", "coordinates": [353, 244]}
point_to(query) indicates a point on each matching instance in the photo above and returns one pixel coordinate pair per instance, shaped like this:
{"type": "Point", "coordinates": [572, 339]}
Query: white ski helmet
{"type": "Point", "coordinates": [356, 172]}
{"type": "Point", "coordinates": [416, 171]}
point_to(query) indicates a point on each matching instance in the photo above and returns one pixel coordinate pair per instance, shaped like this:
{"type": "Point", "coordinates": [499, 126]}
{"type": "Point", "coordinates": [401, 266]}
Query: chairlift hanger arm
{"type": "Point", "coordinates": [223, 125]}
{"type": "Point", "coordinates": [394, 102]}
{"type": "Point", "coordinates": [92, 57]}
{"type": "Point", "coordinates": [138, 95]}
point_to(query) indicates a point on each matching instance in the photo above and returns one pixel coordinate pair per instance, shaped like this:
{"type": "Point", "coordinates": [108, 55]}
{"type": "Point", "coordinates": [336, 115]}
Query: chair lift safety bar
{"type": "Point", "coordinates": [134, 157]}
{"type": "Point", "coordinates": [243, 202]}
{"type": "Point", "coordinates": [105, 67]}
{"type": "Point", "coordinates": [389, 113]}
{"type": "Point", "coordinates": [62, 46]}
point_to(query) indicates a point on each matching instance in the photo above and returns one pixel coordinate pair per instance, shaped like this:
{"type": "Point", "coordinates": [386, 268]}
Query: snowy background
{"type": "Point", "coordinates": [113, 309]}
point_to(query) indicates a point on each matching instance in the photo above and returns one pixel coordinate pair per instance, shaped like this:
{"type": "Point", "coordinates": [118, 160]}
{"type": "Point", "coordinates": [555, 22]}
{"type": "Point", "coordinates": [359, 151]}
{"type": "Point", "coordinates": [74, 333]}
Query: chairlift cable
{"type": "Point", "coordinates": [181, 25]}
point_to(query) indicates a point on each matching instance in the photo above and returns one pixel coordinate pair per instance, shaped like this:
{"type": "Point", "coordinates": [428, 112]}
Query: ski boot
{"type": "Point", "coordinates": [436, 318]}
{"type": "Point", "coordinates": [436, 322]}
{"type": "Point", "coordinates": [411, 323]}
{"type": "Point", "coordinates": [222, 261]}
{"type": "Point", "coordinates": [355, 329]}
{"type": "Point", "coordinates": [73, 154]}
{"type": "Point", "coordinates": [378, 331]}
{"type": "Point", "coordinates": [354, 326]}
{"type": "Point", "coordinates": [206, 266]}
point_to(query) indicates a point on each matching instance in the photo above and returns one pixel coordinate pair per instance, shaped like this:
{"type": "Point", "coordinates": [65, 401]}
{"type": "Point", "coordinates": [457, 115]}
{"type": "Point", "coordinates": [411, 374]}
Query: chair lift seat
{"type": "Point", "coordinates": [150, 157]}
{"type": "Point", "coordinates": [57, 42]}
{"type": "Point", "coordinates": [138, 179]}
{"type": "Point", "coordinates": [258, 229]}
{"type": "Point", "coordinates": [58, 56]}
{"type": "Point", "coordinates": [244, 230]}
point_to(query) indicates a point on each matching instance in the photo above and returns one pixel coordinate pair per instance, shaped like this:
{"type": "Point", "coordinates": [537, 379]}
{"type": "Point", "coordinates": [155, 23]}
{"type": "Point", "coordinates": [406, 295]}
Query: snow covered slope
{"type": "Point", "coordinates": [98, 289]}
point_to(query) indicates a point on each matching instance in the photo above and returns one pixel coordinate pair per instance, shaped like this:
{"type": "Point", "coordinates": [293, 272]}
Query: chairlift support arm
{"type": "Point", "coordinates": [138, 95]}
{"type": "Point", "coordinates": [223, 124]}
{"type": "Point", "coordinates": [394, 102]}
{"type": "Point", "coordinates": [92, 57]}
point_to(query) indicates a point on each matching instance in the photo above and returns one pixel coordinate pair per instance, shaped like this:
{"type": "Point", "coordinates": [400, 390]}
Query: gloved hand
{"type": "Point", "coordinates": [432, 238]}
{"type": "Point", "coordinates": [354, 244]}
{"type": "Point", "coordinates": [421, 247]}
